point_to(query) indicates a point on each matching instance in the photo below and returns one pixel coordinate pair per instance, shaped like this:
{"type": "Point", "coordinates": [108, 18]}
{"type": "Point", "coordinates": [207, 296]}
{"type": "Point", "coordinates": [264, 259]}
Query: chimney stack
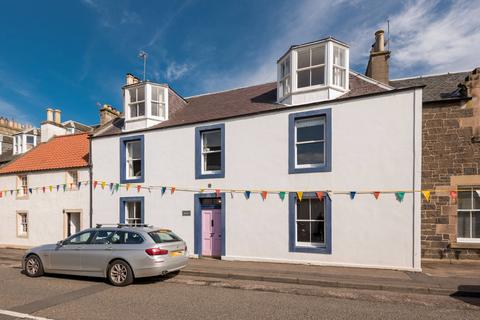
{"type": "Point", "coordinates": [50, 114]}
{"type": "Point", "coordinates": [377, 67]}
{"type": "Point", "coordinates": [57, 116]}
{"type": "Point", "coordinates": [131, 79]}
{"type": "Point", "coordinates": [108, 113]}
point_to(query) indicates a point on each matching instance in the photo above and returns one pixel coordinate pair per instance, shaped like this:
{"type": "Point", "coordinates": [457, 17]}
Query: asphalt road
{"type": "Point", "coordinates": [182, 297]}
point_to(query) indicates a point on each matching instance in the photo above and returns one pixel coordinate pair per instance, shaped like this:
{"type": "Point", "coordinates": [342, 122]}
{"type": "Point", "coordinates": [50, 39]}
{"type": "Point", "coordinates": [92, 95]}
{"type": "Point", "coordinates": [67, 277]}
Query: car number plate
{"type": "Point", "coordinates": [176, 253]}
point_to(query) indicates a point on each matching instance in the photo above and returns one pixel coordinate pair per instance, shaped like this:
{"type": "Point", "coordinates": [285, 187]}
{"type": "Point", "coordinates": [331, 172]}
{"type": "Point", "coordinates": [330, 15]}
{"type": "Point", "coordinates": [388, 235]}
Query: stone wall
{"type": "Point", "coordinates": [451, 158]}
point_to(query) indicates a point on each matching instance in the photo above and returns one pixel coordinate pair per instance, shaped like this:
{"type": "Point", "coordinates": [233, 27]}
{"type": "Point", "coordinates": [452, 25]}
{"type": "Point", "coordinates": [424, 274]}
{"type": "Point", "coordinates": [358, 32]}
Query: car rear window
{"type": "Point", "coordinates": [162, 236]}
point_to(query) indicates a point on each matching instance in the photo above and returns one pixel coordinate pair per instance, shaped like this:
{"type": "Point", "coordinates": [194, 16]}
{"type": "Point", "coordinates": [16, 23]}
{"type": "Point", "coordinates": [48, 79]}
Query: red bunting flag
{"type": "Point", "coordinates": [453, 194]}
{"type": "Point", "coordinates": [1, 194]}
{"type": "Point", "coordinates": [376, 194]}
{"type": "Point", "coordinates": [172, 190]}
{"type": "Point", "coordinates": [43, 189]}
{"type": "Point", "coordinates": [217, 192]}
{"type": "Point", "coordinates": [320, 195]}
{"type": "Point", "coordinates": [264, 195]}
{"type": "Point", "coordinates": [95, 184]}
{"type": "Point", "coordinates": [138, 188]}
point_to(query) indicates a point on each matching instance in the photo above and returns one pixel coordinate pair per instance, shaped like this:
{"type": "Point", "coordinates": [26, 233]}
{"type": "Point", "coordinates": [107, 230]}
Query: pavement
{"type": "Point", "coordinates": [450, 278]}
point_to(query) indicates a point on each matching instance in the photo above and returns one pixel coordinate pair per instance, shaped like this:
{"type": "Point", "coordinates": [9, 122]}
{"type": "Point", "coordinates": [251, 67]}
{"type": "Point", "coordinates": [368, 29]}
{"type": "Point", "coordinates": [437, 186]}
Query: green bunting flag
{"type": "Point", "coordinates": [281, 194]}
{"type": "Point", "coordinates": [117, 185]}
{"type": "Point", "coordinates": [399, 196]}
{"type": "Point", "coordinates": [163, 190]}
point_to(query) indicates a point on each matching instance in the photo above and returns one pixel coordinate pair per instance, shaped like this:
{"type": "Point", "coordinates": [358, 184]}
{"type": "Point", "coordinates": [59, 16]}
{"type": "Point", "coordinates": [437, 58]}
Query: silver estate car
{"type": "Point", "coordinates": [119, 253]}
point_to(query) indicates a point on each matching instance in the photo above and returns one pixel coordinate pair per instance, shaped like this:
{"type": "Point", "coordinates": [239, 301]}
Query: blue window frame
{"type": "Point", "coordinates": [132, 159]}
{"type": "Point", "coordinates": [310, 224]}
{"type": "Point", "coordinates": [132, 210]}
{"type": "Point", "coordinates": [210, 152]}
{"type": "Point", "coordinates": [197, 249]}
{"type": "Point", "coordinates": [310, 141]}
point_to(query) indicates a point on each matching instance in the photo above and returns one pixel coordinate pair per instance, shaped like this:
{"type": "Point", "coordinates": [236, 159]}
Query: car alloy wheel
{"type": "Point", "coordinates": [33, 266]}
{"type": "Point", "coordinates": [120, 274]}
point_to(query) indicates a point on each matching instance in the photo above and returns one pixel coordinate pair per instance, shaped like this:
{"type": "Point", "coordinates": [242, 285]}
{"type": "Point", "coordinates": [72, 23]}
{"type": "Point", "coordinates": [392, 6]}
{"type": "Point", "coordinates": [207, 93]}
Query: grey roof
{"type": "Point", "coordinates": [442, 87]}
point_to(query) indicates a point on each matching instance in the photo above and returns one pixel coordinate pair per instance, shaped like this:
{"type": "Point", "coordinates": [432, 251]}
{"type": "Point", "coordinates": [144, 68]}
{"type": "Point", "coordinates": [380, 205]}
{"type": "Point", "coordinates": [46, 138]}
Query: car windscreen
{"type": "Point", "coordinates": [161, 236]}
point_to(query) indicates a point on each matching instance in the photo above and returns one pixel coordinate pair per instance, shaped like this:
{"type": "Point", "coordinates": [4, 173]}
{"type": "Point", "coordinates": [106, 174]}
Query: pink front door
{"type": "Point", "coordinates": [211, 233]}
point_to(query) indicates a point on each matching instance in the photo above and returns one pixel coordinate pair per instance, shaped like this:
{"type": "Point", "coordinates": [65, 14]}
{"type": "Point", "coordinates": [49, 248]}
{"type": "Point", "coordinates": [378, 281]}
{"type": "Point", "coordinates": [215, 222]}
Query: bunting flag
{"type": "Point", "coordinates": [30, 190]}
{"type": "Point", "coordinates": [352, 194]}
{"type": "Point", "coordinates": [202, 190]}
{"type": "Point", "coordinates": [163, 190]}
{"type": "Point", "coordinates": [299, 195]}
{"type": "Point", "coordinates": [117, 185]}
{"type": "Point", "coordinates": [127, 186]}
{"type": "Point", "coordinates": [264, 195]}
{"type": "Point", "coordinates": [43, 189]}
{"type": "Point", "coordinates": [79, 185]}
{"type": "Point", "coordinates": [111, 186]}
{"type": "Point", "coordinates": [319, 195]}
{"type": "Point", "coordinates": [1, 194]}
{"type": "Point", "coordinates": [376, 194]}
{"type": "Point", "coordinates": [103, 184]}
{"type": "Point", "coordinates": [58, 187]}
{"type": "Point", "coordinates": [399, 196]}
{"type": "Point", "coordinates": [247, 194]}
{"type": "Point", "coordinates": [71, 185]}
{"type": "Point", "coordinates": [453, 195]}
{"type": "Point", "coordinates": [138, 187]}
{"type": "Point", "coordinates": [172, 190]}
{"type": "Point", "coordinates": [426, 195]}
{"type": "Point", "coordinates": [86, 183]}
{"type": "Point", "coordinates": [11, 191]}
{"type": "Point", "coordinates": [281, 194]}
{"type": "Point", "coordinates": [50, 188]}
{"type": "Point", "coordinates": [64, 187]}
{"type": "Point", "coordinates": [217, 192]}
{"type": "Point", "coordinates": [95, 184]}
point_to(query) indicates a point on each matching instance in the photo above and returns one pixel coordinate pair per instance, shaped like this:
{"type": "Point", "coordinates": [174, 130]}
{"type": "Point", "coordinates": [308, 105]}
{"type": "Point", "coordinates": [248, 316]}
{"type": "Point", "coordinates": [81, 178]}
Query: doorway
{"type": "Point", "coordinates": [72, 222]}
{"type": "Point", "coordinates": [210, 225]}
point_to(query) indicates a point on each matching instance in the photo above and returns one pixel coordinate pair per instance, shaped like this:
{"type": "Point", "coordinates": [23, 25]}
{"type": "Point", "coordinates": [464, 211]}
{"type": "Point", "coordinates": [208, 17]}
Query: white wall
{"type": "Point", "coordinates": [45, 210]}
{"type": "Point", "coordinates": [376, 143]}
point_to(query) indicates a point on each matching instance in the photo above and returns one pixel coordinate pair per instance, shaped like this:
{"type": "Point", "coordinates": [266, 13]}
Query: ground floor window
{"type": "Point", "coordinates": [22, 224]}
{"type": "Point", "coordinates": [309, 223]}
{"type": "Point", "coordinates": [468, 214]}
{"type": "Point", "coordinates": [132, 210]}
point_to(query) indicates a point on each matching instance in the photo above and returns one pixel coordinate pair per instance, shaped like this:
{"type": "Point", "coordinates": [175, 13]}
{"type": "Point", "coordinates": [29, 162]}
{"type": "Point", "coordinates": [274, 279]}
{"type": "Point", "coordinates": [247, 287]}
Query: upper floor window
{"type": "Point", "coordinates": [210, 152]}
{"type": "Point", "coordinates": [30, 142]}
{"type": "Point", "coordinates": [72, 179]}
{"type": "Point", "coordinates": [158, 102]}
{"type": "Point", "coordinates": [22, 186]}
{"type": "Point", "coordinates": [310, 141]}
{"type": "Point", "coordinates": [311, 67]}
{"type": "Point", "coordinates": [339, 67]}
{"type": "Point", "coordinates": [132, 159]}
{"type": "Point", "coordinates": [137, 102]}
{"type": "Point", "coordinates": [285, 78]}
{"type": "Point", "coordinates": [468, 213]}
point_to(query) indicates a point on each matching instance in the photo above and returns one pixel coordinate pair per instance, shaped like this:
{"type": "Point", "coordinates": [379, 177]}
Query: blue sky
{"type": "Point", "coordinates": [73, 54]}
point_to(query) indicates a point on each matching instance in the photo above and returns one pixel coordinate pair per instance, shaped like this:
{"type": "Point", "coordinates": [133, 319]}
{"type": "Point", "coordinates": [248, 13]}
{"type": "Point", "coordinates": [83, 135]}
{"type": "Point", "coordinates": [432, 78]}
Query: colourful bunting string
{"type": "Point", "coordinates": [299, 195]}
{"type": "Point", "coordinates": [217, 192]}
{"type": "Point", "coordinates": [264, 195]}
{"type": "Point", "coordinates": [399, 196]}
{"type": "Point", "coordinates": [281, 194]}
{"type": "Point", "coordinates": [163, 190]}
{"type": "Point", "coordinates": [453, 195]}
{"type": "Point", "coordinates": [138, 187]}
{"type": "Point", "coordinates": [376, 194]}
{"type": "Point", "coordinates": [95, 184]}
{"type": "Point", "coordinates": [172, 190]}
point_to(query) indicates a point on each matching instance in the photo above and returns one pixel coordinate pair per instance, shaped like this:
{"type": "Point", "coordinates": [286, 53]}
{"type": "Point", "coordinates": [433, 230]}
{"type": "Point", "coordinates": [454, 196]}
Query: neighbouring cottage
{"type": "Point", "coordinates": [313, 168]}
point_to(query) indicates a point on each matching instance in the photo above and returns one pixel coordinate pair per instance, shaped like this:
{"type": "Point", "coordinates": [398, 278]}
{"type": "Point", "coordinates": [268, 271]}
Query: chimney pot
{"type": "Point", "coordinates": [57, 114]}
{"type": "Point", "coordinates": [377, 67]}
{"type": "Point", "coordinates": [49, 114]}
{"type": "Point", "coordinates": [379, 41]}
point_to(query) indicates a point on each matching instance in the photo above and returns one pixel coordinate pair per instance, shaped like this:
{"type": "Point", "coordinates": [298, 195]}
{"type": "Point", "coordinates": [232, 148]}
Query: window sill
{"type": "Point", "coordinates": [217, 175]}
{"type": "Point", "coordinates": [133, 180]}
{"type": "Point", "coordinates": [324, 250]}
{"type": "Point", "coordinates": [22, 198]}
{"type": "Point", "coordinates": [465, 245]}
{"type": "Point", "coordinates": [324, 168]}
{"type": "Point", "coordinates": [22, 236]}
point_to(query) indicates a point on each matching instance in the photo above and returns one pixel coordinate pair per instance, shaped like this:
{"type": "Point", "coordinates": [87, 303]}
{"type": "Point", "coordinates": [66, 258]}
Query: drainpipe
{"type": "Point", "coordinates": [90, 175]}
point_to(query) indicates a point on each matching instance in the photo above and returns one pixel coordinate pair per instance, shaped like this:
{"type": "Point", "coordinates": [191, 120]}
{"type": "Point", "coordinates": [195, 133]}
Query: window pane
{"type": "Point", "coordinates": [134, 149]}
{"type": "Point", "coordinates": [475, 224]}
{"type": "Point", "coordinates": [102, 236]}
{"type": "Point", "coordinates": [213, 161]}
{"type": "Point", "coordinates": [80, 239]}
{"type": "Point", "coordinates": [211, 140]}
{"type": "Point", "coordinates": [304, 59]}
{"type": "Point", "coordinates": [476, 199]}
{"type": "Point", "coordinates": [310, 129]}
{"type": "Point", "coordinates": [29, 139]}
{"type": "Point", "coordinates": [463, 224]}
{"type": "Point", "coordinates": [141, 94]}
{"type": "Point", "coordinates": [317, 231]}
{"type": "Point", "coordinates": [317, 209]}
{"type": "Point", "coordinates": [287, 66]}
{"type": "Point", "coordinates": [303, 78]}
{"type": "Point", "coordinates": [141, 109]}
{"type": "Point", "coordinates": [303, 231]}
{"type": "Point", "coordinates": [133, 111]}
{"type": "Point", "coordinates": [155, 109]}
{"type": "Point", "coordinates": [310, 153]}
{"type": "Point", "coordinates": [339, 77]}
{"type": "Point", "coordinates": [318, 56]}
{"type": "Point", "coordinates": [339, 56]}
{"type": "Point", "coordinates": [136, 168]}
{"type": "Point", "coordinates": [155, 93]}
{"type": "Point", "coordinates": [303, 210]}
{"type": "Point", "coordinates": [318, 76]}
{"type": "Point", "coordinates": [464, 200]}
{"type": "Point", "coordinates": [133, 95]}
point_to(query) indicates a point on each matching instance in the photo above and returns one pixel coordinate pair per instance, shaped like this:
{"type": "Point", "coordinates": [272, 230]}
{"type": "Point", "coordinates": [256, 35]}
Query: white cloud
{"type": "Point", "coordinates": [176, 71]}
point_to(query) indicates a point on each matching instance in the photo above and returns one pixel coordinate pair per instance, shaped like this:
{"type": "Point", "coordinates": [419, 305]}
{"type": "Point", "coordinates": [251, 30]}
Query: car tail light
{"type": "Point", "coordinates": [156, 252]}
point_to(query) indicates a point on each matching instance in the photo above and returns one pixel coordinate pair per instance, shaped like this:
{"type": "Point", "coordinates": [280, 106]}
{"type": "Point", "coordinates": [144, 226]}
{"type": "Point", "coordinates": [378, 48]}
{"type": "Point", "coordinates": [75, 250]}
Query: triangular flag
{"type": "Point", "coordinates": [1, 194]}
{"type": "Point", "coordinates": [281, 194]}
{"type": "Point", "coordinates": [376, 194]}
{"type": "Point", "coordinates": [217, 192]}
{"type": "Point", "coordinates": [95, 184]}
{"type": "Point", "coordinates": [117, 185]}
{"type": "Point", "coordinates": [352, 194]}
{"type": "Point", "coordinates": [163, 190]}
{"type": "Point", "coordinates": [50, 187]}
{"type": "Point", "coordinates": [172, 190]}
{"type": "Point", "coordinates": [58, 187]}
{"type": "Point", "coordinates": [64, 187]}
{"type": "Point", "coordinates": [79, 185]}
{"type": "Point", "coordinates": [319, 195]}
{"type": "Point", "coordinates": [399, 196]}
{"type": "Point", "coordinates": [264, 195]}
{"type": "Point", "coordinates": [247, 194]}
{"type": "Point", "coordinates": [426, 194]}
{"type": "Point", "coordinates": [201, 190]}
{"type": "Point", "coordinates": [127, 186]}
{"type": "Point", "coordinates": [30, 190]}
{"type": "Point", "coordinates": [71, 185]}
{"type": "Point", "coordinates": [299, 195]}
{"type": "Point", "coordinates": [86, 183]}
{"type": "Point", "coordinates": [453, 194]}
{"type": "Point", "coordinates": [138, 188]}
{"type": "Point", "coordinates": [111, 186]}
{"type": "Point", "coordinates": [11, 191]}
{"type": "Point", "coordinates": [43, 189]}
{"type": "Point", "coordinates": [103, 184]}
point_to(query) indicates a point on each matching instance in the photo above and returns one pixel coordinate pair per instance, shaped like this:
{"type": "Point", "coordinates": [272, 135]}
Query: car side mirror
{"type": "Point", "coordinates": [59, 243]}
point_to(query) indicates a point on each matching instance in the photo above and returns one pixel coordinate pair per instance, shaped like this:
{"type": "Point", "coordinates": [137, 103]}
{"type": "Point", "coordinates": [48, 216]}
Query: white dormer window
{"type": "Point", "coordinates": [30, 142]}
{"type": "Point", "coordinates": [285, 78]}
{"type": "Point", "coordinates": [158, 101]}
{"type": "Point", "coordinates": [339, 67]}
{"type": "Point", "coordinates": [311, 67]}
{"type": "Point", "coordinates": [136, 105]}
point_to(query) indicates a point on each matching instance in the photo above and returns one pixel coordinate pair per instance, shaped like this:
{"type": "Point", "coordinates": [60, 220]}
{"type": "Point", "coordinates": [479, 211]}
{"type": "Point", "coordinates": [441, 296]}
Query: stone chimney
{"type": "Point", "coordinates": [57, 116]}
{"type": "Point", "coordinates": [131, 79]}
{"type": "Point", "coordinates": [108, 113]}
{"type": "Point", "coordinates": [377, 67]}
{"type": "Point", "coordinates": [50, 114]}
{"type": "Point", "coordinates": [472, 82]}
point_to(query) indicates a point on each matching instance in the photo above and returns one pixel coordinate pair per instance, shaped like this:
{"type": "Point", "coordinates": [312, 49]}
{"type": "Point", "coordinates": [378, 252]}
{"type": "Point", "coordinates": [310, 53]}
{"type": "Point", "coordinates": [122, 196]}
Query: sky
{"type": "Point", "coordinates": [73, 55]}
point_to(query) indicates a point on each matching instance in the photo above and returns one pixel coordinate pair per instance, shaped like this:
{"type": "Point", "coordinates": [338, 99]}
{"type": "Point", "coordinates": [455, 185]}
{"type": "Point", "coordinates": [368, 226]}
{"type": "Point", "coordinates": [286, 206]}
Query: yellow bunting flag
{"type": "Point", "coordinates": [426, 195]}
{"type": "Point", "coordinates": [103, 184]}
{"type": "Point", "coordinates": [299, 195]}
{"type": "Point", "coordinates": [50, 187]}
{"type": "Point", "coordinates": [127, 186]}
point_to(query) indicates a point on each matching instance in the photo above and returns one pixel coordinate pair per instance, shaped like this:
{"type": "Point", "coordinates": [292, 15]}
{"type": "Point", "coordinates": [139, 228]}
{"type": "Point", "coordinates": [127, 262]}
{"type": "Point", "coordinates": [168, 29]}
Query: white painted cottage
{"type": "Point", "coordinates": [214, 168]}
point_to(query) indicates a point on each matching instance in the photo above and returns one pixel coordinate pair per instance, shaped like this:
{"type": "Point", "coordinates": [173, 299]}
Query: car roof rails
{"type": "Point", "coordinates": [121, 225]}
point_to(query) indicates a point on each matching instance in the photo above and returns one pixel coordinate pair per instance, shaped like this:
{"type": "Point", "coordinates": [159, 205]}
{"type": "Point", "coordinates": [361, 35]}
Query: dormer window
{"type": "Point", "coordinates": [339, 67]}
{"type": "Point", "coordinates": [137, 102]}
{"type": "Point", "coordinates": [285, 78]}
{"type": "Point", "coordinates": [158, 101]}
{"type": "Point", "coordinates": [311, 67]}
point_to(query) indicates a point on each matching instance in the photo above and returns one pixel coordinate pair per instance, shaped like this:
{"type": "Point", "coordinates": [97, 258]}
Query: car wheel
{"type": "Point", "coordinates": [33, 266]}
{"type": "Point", "coordinates": [120, 274]}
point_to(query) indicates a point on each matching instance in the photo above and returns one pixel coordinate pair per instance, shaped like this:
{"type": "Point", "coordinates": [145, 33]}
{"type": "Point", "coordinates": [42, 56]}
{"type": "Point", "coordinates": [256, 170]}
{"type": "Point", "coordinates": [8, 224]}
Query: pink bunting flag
{"type": "Point", "coordinates": [138, 188]}
{"type": "Point", "coordinates": [453, 194]}
{"type": "Point", "coordinates": [217, 192]}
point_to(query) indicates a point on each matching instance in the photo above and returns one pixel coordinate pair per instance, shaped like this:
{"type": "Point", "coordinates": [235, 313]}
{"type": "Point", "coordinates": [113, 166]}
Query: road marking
{"type": "Point", "coordinates": [21, 315]}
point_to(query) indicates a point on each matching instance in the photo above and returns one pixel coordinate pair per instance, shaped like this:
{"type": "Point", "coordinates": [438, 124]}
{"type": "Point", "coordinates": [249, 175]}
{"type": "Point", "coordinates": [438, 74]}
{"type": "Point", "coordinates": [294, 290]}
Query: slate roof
{"type": "Point", "coordinates": [239, 102]}
{"type": "Point", "coordinates": [442, 87]}
{"type": "Point", "coordinates": [61, 152]}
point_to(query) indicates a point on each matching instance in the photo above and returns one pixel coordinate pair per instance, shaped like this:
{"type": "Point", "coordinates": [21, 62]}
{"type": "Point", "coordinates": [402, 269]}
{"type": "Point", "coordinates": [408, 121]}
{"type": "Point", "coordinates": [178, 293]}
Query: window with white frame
{"type": "Point", "coordinates": [339, 67]}
{"type": "Point", "coordinates": [133, 159]}
{"type": "Point", "coordinates": [137, 102]}
{"type": "Point", "coordinates": [158, 102]}
{"type": "Point", "coordinates": [311, 67]}
{"type": "Point", "coordinates": [133, 212]}
{"type": "Point", "coordinates": [22, 224]}
{"type": "Point", "coordinates": [468, 214]}
{"type": "Point", "coordinates": [310, 222]}
{"type": "Point", "coordinates": [17, 144]}
{"type": "Point", "coordinates": [285, 78]}
{"type": "Point", "coordinates": [72, 179]}
{"type": "Point", "coordinates": [30, 142]}
{"type": "Point", "coordinates": [211, 151]}
{"type": "Point", "coordinates": [22, 186]}
{"type": "Point", "coordinates": [310, 142]}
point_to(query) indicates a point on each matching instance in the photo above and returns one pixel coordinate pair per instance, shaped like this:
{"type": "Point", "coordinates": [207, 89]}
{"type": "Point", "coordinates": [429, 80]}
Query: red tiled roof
{"type": "Point", "coordinates": [69, 151]}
